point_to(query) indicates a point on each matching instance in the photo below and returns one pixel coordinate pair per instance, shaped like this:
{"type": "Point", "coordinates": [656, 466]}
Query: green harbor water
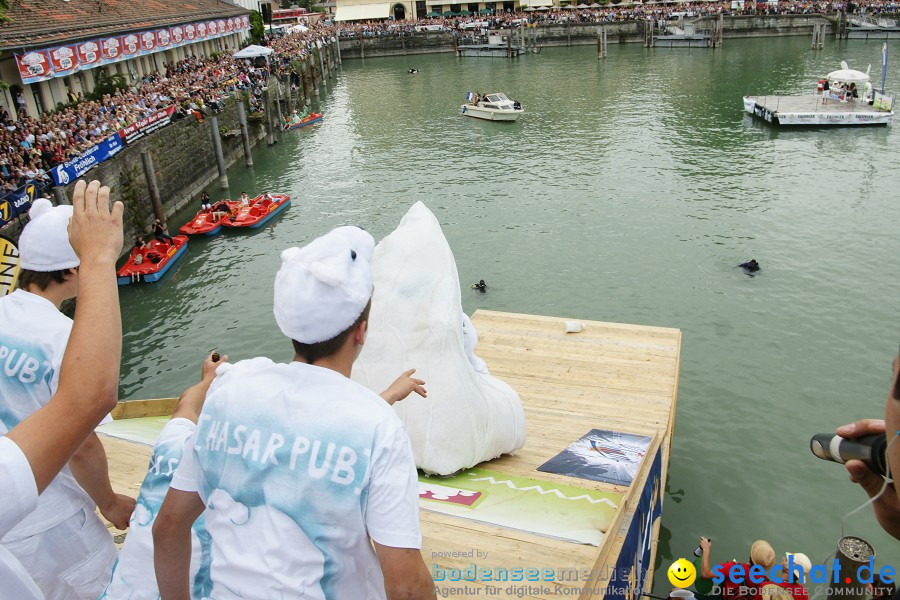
{"type": "Point", "coordinates": [629, 192]}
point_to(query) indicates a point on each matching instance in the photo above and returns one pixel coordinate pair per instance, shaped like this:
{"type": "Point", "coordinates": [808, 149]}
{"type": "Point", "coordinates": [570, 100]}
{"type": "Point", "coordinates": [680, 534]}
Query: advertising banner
{"type": "Point", "coordinates": [146, 125]}
{"type": "Point", "coordinates": [148, 42]}
{"type": "Point", "coordinates": [131, 45]}
{"type": "Point", "coordinates": [627, 581]}
{"type": "Point", "coordinates": [63, 60]}
{"type": "Point", "coordinates": [9, 265]}
{"type": "Point", "coordinates": [34, 66]}
{"type": "Point", "coordinates": [177, 34]}
{"type": "Point", "coordinates": [40, 65]}
{"type": "Point", "coordinates": [163, 38]}
{"type": "Point", "coordinates": [17, 203]}
{"type": "Point", "coordinates": [88, 54]}
{"type": "Point", "coordinates": [111, 50]}
{"type": "Point", "coordinates": [73, 169]}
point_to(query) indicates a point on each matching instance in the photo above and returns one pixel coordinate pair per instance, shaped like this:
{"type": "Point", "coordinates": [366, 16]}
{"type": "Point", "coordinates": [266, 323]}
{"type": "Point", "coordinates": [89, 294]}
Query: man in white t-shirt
{"type": "Point", "coordinates": [34, 451]}
{"type": "Point", "coordinates": [300, 469]}
{"type": "Point", "coordinates": [133, 577]}
{"type": "Point", "coordinates": [62, 543]}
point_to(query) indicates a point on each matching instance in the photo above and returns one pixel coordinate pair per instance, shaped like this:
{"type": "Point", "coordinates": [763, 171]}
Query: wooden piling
{"type": "Point", "coordinates": [245, 133]}
{"type": "Point", "coordinates": [217, 147]}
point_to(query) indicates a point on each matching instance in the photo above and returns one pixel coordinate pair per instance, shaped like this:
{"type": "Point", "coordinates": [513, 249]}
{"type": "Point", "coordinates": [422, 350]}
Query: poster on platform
{"type": "Point", "coordinates": [537, 506]}
{"type": "Point", "coordinates": [601, 455]}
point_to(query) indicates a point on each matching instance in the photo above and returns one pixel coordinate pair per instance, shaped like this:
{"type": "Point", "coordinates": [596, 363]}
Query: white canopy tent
{"type": "Point", "coordinates": [848, 76]}
{"type": "Point", "coordinates": [252, 51]}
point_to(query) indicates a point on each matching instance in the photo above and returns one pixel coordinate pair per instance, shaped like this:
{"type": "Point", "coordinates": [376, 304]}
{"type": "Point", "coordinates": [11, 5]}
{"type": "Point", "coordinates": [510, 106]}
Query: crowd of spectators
{"type": "Point", "coordinates": [31, 146]}
{"type": "Point", "coordinates": [610, 14]}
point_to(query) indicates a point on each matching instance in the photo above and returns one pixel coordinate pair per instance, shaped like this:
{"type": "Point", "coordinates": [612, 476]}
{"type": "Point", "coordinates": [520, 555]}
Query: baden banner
{"type": "Point", "coordinates": [17, 203]}
{"type": "Point", "coordinates": [627, 581]}
{"type": "Point", "coordinates": [72, 170]}
{"type": "Point", "coordinates": [9, 265]}
{"type": "Point", "coordinates": [59, 61]}
{"type": "Point", "coordinates": [146, 126]}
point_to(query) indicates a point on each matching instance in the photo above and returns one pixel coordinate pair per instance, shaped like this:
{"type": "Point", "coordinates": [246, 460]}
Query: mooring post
{"type": "Point", "coordinates": [304, 72]}
{"type": "Point", "coordinates": [322, 61]}
{"type": "Point", "coordinates": [245, 133]}
{"type": "Point", "coordinates": [270, 127]}
{"type": "Point", "coordinates": [362, 46]}
{"type": "Point", "coordinates": [337, 48]}
{"type": "Point", "coordinates": [59, 192]}
{"type": "Point", "coordinates": [150, 174]}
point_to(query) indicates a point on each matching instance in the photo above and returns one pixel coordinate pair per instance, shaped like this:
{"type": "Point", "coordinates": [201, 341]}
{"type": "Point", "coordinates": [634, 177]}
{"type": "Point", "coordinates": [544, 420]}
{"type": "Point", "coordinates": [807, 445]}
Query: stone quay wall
{"type": "Point", "coordinates": [184, 161]}
{"type": "Point", "coordinates": [579, 34]}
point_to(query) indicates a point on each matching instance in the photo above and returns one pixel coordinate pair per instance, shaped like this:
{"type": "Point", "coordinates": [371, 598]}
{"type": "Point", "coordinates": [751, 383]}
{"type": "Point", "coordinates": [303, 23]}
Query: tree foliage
{"type": "Point", "coordinates": [257, 28]}
{"type": "Point", "coordinates": [107, 84]}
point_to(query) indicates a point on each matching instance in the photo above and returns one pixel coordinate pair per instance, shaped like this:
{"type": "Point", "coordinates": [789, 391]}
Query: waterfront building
{"type": "Point", "coordinates": [51, 48]}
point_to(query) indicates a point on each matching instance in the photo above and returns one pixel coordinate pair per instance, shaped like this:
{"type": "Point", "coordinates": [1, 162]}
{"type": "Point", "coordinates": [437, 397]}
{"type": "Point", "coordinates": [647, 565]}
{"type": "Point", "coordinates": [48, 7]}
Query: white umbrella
{"type": "Point", "coordinates": [582, 6]}
{"type": "Point", "coordinates": [543, 8]}
{"type": "Point", "coordinates": [595, 5]}
{"type": "Point", "coordinates": [530, 9]}
{"type": "Point", "coordinates": [848, 76]}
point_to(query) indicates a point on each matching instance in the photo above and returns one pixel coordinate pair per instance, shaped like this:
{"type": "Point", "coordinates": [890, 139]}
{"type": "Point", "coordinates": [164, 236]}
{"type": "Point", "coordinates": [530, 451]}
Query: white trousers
{"type": "Point", "coordinates": [71, 561]}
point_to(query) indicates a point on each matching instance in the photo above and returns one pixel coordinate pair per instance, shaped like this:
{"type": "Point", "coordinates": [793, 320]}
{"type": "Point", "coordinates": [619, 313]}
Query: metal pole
{"type": "Point", "coordinates": [245, 133]}
{"type": "Point", "coordinates": [150, 174]}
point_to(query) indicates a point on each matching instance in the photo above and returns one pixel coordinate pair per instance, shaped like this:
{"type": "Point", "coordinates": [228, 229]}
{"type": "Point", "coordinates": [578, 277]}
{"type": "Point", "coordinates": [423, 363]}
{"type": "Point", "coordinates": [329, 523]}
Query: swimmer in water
{"type": "Point", "coordinates": [481, 286]}
{"type": "Point", "coordinates": [750, 266]}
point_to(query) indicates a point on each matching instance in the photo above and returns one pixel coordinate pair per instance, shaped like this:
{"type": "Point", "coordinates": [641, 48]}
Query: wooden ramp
{"type": "Point", "coordinates": [608, 376]}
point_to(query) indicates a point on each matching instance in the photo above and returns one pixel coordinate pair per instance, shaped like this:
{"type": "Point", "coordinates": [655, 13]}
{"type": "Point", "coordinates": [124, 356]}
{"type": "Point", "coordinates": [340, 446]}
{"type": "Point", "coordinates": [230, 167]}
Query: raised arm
{"type": "Point", "coordinates": [89, 376]}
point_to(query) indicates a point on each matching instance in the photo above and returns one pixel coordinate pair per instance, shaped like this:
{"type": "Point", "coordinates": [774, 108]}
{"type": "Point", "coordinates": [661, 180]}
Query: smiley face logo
{"type": "Point", "coordinates": [682, 573]}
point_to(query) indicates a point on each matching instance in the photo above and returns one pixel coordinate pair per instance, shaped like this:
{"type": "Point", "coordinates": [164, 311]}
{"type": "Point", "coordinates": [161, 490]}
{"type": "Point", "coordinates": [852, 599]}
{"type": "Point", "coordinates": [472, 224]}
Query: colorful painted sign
{"type": "Point", "coordinates": [9, 265]}
{"type": "Point", "coordinates": [40, 65]}
{"type": "Point", "coordinates": [538, 506]}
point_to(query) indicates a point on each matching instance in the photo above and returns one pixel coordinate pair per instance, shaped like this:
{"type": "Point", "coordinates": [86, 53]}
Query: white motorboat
{"type": "Point", "coordinates": [493, 107]}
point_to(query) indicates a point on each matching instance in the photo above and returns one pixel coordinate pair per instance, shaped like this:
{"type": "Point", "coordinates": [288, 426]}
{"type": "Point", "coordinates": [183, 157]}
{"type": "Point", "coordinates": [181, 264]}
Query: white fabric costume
{"type": "Point", "coordinates": [20, 496]}
{"type": "Point", "coordinates": [133, 577]}
{"type": "Point", "coordinates": [63, 544]}
{"type": "Point", "coordinates": [298, 466]}
{"type": "Point", "coordinates": [417, 321]}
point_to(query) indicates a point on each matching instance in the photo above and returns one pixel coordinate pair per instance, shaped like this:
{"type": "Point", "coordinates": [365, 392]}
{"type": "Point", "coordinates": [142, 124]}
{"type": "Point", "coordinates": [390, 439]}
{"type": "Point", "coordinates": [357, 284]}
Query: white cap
{"type": "Point", "coordinates": [322, 288]}
{"type": "Point", "coordinates": [801, 560]}
{"type": "Point", "coordinates": [44, 242]}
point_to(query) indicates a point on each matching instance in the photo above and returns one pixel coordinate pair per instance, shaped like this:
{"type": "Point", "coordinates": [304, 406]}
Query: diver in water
{"type": "Point", "coordinates": [413, 71]}
{"type": "Point", "coordinates": [481, 286]}
{"type": "Point", "coordinates": [751, 266]}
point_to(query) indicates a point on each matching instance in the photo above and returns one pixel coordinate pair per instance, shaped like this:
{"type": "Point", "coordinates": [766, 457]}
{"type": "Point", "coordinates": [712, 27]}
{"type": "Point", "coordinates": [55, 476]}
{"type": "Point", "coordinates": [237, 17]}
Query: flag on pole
{"type": "Point", "coordinates": [884, 54]}
{"type": "Point", "coordinates": [470, 96]}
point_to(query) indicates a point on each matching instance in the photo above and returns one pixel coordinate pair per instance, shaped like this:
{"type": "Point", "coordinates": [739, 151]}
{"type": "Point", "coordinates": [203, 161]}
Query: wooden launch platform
{"type": "Point", "coordinates": [607, 376]}
{"type": "Point", "coordinates": [812, 111]}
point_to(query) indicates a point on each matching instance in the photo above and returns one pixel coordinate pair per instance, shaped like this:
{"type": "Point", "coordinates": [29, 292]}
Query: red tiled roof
{"type": "Point", "coordinates": [37, 23]}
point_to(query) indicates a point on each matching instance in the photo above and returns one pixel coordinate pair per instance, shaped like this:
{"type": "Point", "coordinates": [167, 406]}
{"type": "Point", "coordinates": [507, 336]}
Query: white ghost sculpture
{"type": "Point", "coordinates": [417, 321]}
